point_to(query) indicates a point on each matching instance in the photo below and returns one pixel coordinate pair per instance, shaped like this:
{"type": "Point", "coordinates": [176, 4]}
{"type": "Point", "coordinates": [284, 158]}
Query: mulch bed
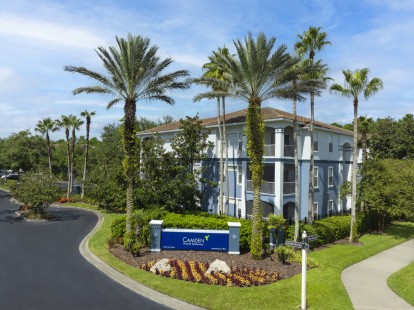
{"type": "Point", "coordinates": [270, 263]}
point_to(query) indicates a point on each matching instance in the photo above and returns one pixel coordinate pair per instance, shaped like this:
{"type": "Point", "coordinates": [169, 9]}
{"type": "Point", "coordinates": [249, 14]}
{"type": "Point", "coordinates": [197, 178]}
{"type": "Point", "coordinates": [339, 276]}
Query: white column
{"type": "Point", "coordinates": [279, 153]}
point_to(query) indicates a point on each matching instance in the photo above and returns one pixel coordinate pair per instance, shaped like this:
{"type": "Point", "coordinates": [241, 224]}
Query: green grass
{"type": "Point", "coordinates": [402, 283]}
{"type": "Point", "coordinates": [7, 185]}
{"type": "Point", "coordinates": [325, 289]}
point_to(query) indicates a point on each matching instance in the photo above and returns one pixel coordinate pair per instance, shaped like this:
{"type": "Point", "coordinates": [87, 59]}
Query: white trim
{"type": "Point", "coordinates": [236, 253]}
{"type": "Point", "coordinates": [316, 175]}
{"type": "Point", "coordinates": [331, 168]}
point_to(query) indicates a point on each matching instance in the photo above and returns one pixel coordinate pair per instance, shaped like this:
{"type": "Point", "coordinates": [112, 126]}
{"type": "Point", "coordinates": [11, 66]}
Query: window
{"type": "Point", "coordinates": [315, 210]}
{"type": "Point", "coordinates": [240, 141]}
{"type": "Point", "coordinates": [330, 207]}
{"type": "Point", "coordinates": [315, 142]}
{"type": "Point", "coordinates": [315, 176]}
{"type": "Point", "coordinates": [330, 176]}
{"type": "Point", "coordinates": [330, 143]}
{"type": "Point", "coordinates": [239, 175]}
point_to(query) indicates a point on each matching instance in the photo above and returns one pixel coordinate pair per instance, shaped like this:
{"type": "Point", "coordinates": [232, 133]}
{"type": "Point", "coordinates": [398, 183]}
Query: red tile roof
{"type": "Point", "coordinates": [240, 117]}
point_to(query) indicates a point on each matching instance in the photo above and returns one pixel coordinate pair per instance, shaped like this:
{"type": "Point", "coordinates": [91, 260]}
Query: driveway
{"type": "Point", "coordinates": [41, 266]}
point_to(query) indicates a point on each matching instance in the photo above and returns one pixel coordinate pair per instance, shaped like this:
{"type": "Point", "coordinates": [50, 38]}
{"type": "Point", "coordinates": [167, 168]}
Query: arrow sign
{"type": "Point", "coordinates": [312, 238]}
{"type": "Point", "coordinates": [294, 244]}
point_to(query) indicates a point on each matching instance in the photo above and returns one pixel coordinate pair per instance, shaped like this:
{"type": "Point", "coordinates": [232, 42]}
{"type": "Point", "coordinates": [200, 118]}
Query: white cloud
{"type": "Point", "coordinates": [54, 33]}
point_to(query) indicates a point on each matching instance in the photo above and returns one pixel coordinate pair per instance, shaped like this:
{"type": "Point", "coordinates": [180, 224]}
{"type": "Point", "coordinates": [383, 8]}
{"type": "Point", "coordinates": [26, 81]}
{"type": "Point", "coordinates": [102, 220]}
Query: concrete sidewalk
{"type": "Point", "coordinates": [366, 282]}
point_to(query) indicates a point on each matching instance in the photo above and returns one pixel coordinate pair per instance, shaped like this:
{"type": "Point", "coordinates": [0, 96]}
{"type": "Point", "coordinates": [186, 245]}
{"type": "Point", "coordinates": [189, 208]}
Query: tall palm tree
{"type": "Point", "coordinates": [87, 116]}
{"type": "Point", "coordinates": [134, 72]}
{"type": "Point", "coordinates": [311, 41]}
{"type": "Point", "coordinates": [44, 127]}
{"type": "Point", "coordinates": [258, 73]}
{"type": "Point", "coordinates": [65, 122]}
{"type": "Point", "coordinates": [364, 125]}
{"type": "Point", "coordinates": [356, 83]}
{"type": "Point", "coordinates": [75, 124]}
{"type": "Point", "coordinates": [215, 78]}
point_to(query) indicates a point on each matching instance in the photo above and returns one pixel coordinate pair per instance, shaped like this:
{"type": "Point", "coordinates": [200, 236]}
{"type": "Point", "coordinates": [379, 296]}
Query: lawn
{"type": "Point", "coordinates": [325, 289]}
{"type": "Point", "coordinates": [402, 283]}
{"type": "Point", "coordinates": [7, 185]}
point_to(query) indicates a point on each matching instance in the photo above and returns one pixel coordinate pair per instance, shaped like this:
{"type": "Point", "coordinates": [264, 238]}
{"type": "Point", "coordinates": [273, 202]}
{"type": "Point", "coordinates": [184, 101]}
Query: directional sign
{"type": "Point", "coordinates": [312, 238]}
{"type": "Point", "coordinates": [294, 244]}
{"type": "Point", "coordinates": [305, 246]}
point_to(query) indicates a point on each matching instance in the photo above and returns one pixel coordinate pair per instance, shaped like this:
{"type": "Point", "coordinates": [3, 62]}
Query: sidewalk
{"type": "Point", "coordinates": [366, 282]}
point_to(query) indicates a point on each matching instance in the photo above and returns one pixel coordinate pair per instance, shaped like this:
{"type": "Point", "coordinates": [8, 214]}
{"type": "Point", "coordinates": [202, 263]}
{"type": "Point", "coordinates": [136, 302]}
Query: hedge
{"type": "Point", "coordinates": [328, 229]}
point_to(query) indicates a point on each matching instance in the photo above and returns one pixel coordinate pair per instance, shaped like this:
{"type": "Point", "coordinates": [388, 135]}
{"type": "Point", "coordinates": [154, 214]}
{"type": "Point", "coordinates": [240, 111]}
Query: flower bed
{"type": "Point", "coordinates": [196, 272]}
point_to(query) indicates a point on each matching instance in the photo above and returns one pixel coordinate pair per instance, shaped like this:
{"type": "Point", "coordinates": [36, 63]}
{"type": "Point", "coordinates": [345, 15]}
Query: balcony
{"type": "Point", "coordinates": [267, 187]}
{"type": "Point", "coordinates": [269, 150]}
{"type": "Point", "coordinates": [288, 188]}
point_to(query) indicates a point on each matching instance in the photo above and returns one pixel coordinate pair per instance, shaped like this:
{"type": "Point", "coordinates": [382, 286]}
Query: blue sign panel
{"type": "Point", "coordinates": [195, 240]}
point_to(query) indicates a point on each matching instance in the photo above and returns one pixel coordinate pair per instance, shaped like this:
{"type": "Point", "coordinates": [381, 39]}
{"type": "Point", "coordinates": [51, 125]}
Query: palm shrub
{"type": "Point", "coordinates": [37, 190]}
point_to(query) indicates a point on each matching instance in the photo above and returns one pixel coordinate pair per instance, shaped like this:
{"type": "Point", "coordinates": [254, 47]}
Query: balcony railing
{"type": "Point", "coordinates": [289, 151]}
{"type": "Point", "coordinates": [269, 150]}
{"type": "Point", "coordinates": [288, 188]}
{"type": "Point", "coordinates": [267, 187]}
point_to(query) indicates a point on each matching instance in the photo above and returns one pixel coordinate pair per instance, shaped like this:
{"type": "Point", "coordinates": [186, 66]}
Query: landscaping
{"type": "Point", "coordinates": [402, 283]}
{"type": "Point", "coordinates": [325, 289]}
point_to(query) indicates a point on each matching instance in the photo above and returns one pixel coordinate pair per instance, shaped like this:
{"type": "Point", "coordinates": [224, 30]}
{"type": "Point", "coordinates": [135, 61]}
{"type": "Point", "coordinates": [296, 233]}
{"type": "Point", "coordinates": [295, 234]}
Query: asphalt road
{"type": "Point", "coordinates": [41, 266]}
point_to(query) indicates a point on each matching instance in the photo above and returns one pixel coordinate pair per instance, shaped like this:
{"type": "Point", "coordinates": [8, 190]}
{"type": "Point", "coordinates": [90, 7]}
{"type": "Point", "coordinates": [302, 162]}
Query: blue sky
{"type": "Point", "coordinates": [38, 38]}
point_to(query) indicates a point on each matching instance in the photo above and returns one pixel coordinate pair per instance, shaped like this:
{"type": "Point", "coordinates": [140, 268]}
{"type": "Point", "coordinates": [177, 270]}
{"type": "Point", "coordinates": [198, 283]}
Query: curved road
{"type": "Point", "coordinates": [41, 266]}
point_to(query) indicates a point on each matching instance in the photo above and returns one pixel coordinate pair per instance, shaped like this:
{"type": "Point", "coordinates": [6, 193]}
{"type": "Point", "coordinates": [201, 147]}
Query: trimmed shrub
{"type": "Point", "coordinates": [328, 230]}
{"type": "Point", "coordinates": [285, 253]}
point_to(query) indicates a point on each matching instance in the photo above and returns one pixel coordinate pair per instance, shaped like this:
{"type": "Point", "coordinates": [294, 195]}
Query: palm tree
{"type": "Point", "coordinates": [258, 74]}
{"type": "Point", "coordinates": [214, 77]}
{"type": "Point", "coordinates": [364, 125]}
{"type": "Point", "coordinates": [310, 42]}
{"type": "Point", "coordinates": [134, 73]}
{"type": "Point", "coordinates": [356, 83]}
{"type": "Point", "coordinates": [75, 124]}
{"type": "Point", "coordinates": [65, 122]}
{"type": "Point", "coordinates": [44, 127]}
{"type": "Point", "coordinates": [87, 116]}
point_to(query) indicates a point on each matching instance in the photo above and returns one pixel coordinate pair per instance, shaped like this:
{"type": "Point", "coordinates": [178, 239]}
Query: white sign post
{"type": "Point", "coordinates": [304, 268]}
{"type": "Point", "coordinates": [304, 245]}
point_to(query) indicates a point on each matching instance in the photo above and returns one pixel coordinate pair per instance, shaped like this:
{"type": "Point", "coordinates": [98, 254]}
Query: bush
{"type": "Point", "coordinates": [327, 230]}
{"type": "Point", "coordinates": [118, 229]}
{"type": "Point", "coordinates": [285, 253]}
{"type": "Point", "coordinates": [37, 189]}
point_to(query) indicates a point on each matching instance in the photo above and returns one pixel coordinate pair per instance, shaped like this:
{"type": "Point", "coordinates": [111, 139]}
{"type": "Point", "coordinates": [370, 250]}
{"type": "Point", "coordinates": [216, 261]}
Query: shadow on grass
{"type": "Point", "coordinates": [401, 230]}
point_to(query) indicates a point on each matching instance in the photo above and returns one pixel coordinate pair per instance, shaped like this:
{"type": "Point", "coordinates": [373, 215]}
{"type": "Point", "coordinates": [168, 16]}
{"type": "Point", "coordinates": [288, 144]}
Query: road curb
{"type": "Point", "coordinates": [122, 279]}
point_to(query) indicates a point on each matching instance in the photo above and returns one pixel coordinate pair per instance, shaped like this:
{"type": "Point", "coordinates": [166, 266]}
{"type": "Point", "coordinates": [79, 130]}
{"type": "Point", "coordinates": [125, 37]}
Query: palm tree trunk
{"type": "Point", "coordinates": [312, 164]}
{"type": "Point", "coordinates": [130, 166]}
{"type": "Point", "coordinates": [221, 158]}
{"type": "Point", "coordinates": [88, 124]}
{"type": "Point", "coordinates": [69, 161]}
{"type": "Point", "coordinates": [352, 232]}
{"type": "Point", "coordinates": [255, 138]}
{"type": "Point", "coordinates": [295, 147]}
{"type": "Point", "coordinates": [226, 149]}
{"type": "Point", "coordinates": [49, 152]}
{"type": "Point", "coordinates": [73, 159]}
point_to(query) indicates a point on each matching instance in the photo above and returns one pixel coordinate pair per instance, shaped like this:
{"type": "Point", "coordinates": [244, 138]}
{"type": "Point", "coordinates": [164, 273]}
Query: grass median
{"type": "Point", "coordinates": [325, 288]}
{"type": "Point", "coordinates": [402, 283]}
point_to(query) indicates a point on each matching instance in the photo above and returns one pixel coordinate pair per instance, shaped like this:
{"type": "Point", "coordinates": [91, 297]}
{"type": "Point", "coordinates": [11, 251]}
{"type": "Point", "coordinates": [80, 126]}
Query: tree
{"type": "Point", "coordinates": [214, 77]}
{"type": "Point", "coordinates": [65, 122]}
{"type": "Point", "coordinates": [75, 125]}
{"type": "Point", "coordinates": [87, 116]}
{"type": "Point", "coordinates": [311, 41]}
{"type": "Point", "coordinates": [44, 127]}
{"type": "Point", "coordinates": [356, 83]}
{"type": "Point", "coordinates": [364, 126]}
{"type": "Point", "coordinates": [134, 73]}
{"type": "Point", "coordinates": [258, 74]}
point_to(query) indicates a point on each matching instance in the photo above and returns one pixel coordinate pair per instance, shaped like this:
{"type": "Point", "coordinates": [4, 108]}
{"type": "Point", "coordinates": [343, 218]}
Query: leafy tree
{"type": "Point", "coordinates": [388, 190]}
{"type": "Point", "coordinates": [312, 41]}
{"type": "Point", "coordinates": [23, 151]}
{"type": "Point", "coordinates": [257, 73]}
{"type": "Point", "coordinates": [37, 190]}
{"type": "Point", "coordinates": [87, 116]}
{"type": "Point", "coordinates": [356, 83]}
{"type": "Point", "coordinates": [134, 73]}
{"type": "Point", "coordinates": [44, 127]}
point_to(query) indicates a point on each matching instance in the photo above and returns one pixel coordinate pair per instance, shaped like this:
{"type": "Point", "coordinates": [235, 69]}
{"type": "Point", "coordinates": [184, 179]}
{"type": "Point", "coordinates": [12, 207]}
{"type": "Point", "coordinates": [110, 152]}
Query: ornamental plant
{"type": "Point", "coordinates": [37, 190]}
